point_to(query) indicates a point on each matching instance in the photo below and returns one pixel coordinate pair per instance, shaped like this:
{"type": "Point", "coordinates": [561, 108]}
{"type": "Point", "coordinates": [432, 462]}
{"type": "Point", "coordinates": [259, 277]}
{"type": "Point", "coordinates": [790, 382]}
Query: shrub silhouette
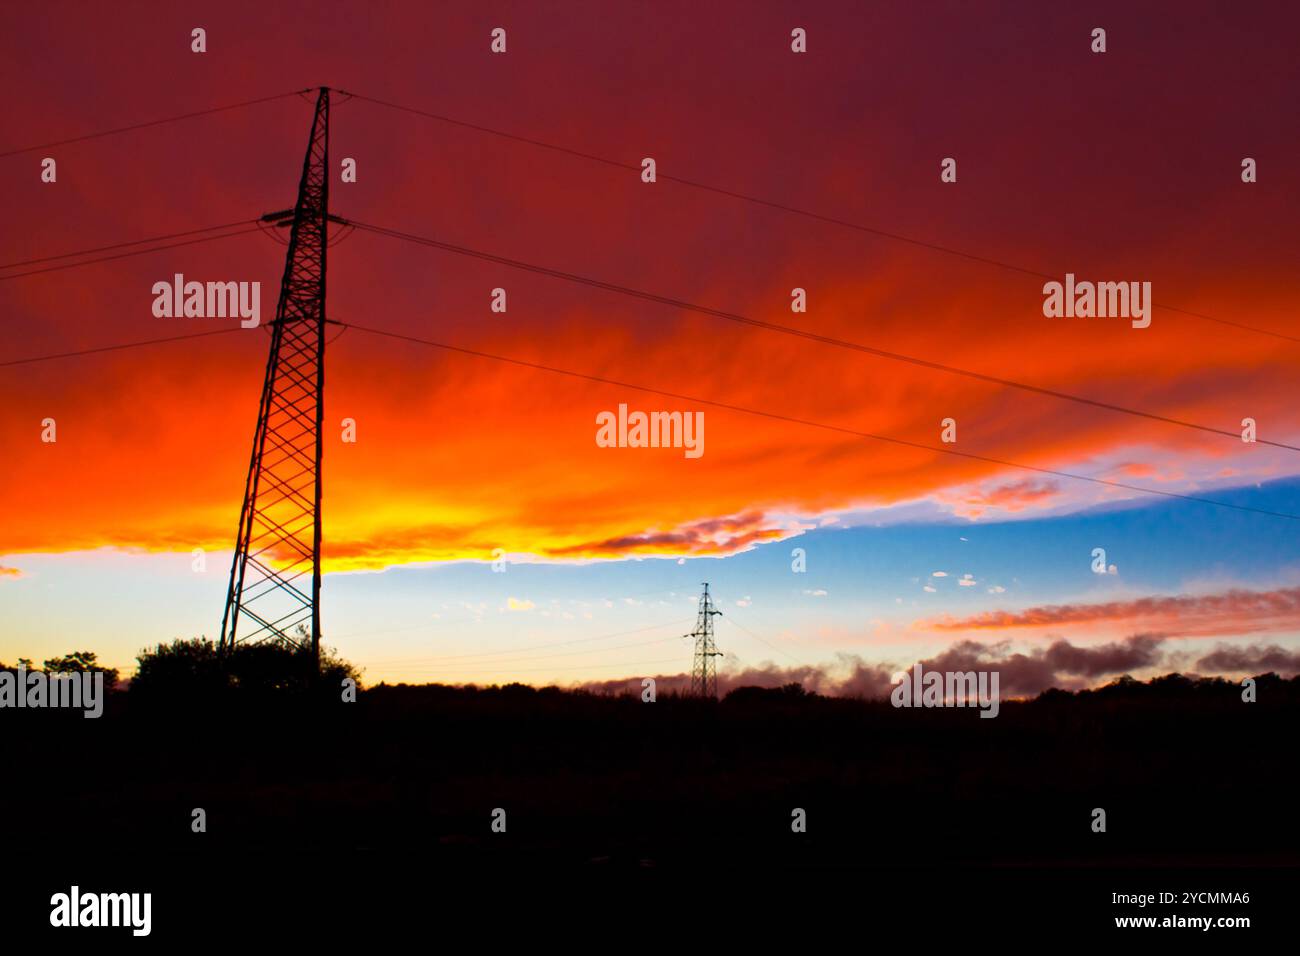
{"type": "Point", "coordinates": [189, 670]}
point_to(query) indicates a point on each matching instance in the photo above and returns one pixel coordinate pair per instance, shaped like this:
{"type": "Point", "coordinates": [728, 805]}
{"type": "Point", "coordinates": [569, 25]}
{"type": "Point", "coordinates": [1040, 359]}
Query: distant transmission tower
{"type": "Point", "coordinates": [274, 589]}
{"type": "Point", "coordinates": [704, 671]}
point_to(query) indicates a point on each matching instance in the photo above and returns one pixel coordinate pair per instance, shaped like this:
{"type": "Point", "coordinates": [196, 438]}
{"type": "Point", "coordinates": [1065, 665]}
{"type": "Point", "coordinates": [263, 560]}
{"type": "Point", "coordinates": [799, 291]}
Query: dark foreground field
{"type": "Point", "coordinates": [1185, 772]}
{"type": "Point", "coordinates": [332, 812]}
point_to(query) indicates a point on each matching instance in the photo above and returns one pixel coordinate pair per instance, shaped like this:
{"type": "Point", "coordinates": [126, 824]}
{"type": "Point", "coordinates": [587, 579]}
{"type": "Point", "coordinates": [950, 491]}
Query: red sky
{"type": "Point", "coordinates": [1122, 166]}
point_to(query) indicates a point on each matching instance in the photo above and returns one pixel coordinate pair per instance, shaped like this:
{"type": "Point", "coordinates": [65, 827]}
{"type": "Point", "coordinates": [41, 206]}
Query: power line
{"type": "Point", "coordinates": [123, 245]}
{"type": "Point", "coordinates": [433, 663]}
{"type": "Point", "coordinates": [584, 640]}
{"type": "Point", "coordinates": [793, 210]}
{"type": "Point", "coordinates": [523, 363]}
{"type": "Point", "coordinates": [158, 122]}
{"type": "Point", "coordinates": [730, 618]}
{"type": "Point", "coordinates": [537, 366]}
{"type": "Point", "coordinates": [517, 670]}
{"type": "Point", "coordinates": [127, 255]}
{"type": "Point", "coordinates": [779, 650]}
{"type": "Point", "coordinates": [801, 333]}
{"type": "Point", "coordinates": [420, 627]}
{"type": "Point", "coordinates": [116, 348]}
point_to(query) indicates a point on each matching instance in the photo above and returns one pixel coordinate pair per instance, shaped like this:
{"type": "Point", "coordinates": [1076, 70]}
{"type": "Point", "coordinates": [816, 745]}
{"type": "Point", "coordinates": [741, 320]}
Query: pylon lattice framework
{"type": "Point", "coordinates": [274, 591]}
{"type": "Point", "coordinates": [704, 670]}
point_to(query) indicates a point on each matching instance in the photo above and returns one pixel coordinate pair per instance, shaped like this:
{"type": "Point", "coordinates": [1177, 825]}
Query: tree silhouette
{"type": "Point", "coordinates": [78, 662]}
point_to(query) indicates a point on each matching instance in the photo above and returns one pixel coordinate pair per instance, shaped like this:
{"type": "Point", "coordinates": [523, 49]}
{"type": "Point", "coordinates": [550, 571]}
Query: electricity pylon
{"type": "Point", "coordinates": [278, 544]}
{"type": "Point", "coordinates": [704, 671]}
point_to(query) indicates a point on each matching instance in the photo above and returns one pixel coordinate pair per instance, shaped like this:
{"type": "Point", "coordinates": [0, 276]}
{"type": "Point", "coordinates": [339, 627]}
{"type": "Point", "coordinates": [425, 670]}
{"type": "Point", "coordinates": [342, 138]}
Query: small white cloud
{"type": "Point", "coordinates": [1112, 570]}
{"type": "Point", "coordinates": [997, 589]}
{"type": "Point", "coordinates": [930, 589]}
{"type": "Point", "coordinates": [939, 574]}
{"type": "Point", "coordinates": [967, 581]}
{"type": "Point", "coordinates": [819, 592]}
{"type": "Point", "coordinates": [744, 602]}
{"type": "Point", "coordinates": [681, 560]}
{"type": "Point", "coordinates": [514, 604]}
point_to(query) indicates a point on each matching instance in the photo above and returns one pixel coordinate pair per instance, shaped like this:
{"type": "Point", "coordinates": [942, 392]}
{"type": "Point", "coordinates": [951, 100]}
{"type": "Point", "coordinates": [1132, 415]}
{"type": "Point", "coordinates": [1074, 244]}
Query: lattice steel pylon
{"type": "Point", "coordinates": [271, 597]}
{"type": "Point", "coordinates": [704, 671]}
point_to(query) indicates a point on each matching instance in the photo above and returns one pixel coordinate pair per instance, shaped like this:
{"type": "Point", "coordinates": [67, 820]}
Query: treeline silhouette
{"type": "Point", "coordinates": [1185, 769]}
{"type": "Point", "coordinates": [76, 662]}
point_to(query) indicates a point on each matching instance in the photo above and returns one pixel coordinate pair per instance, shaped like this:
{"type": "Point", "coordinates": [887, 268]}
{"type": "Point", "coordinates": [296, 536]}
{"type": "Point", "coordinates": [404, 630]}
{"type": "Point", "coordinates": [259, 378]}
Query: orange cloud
{"type": "Point", "coordinates": [1235, 611]}
{"type": "Point", "coordinates": [713, 536]}
{"type": "Point", "coordinates": [1013, 497]}
{"type": "Point", "coordinates": [456, 458]}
